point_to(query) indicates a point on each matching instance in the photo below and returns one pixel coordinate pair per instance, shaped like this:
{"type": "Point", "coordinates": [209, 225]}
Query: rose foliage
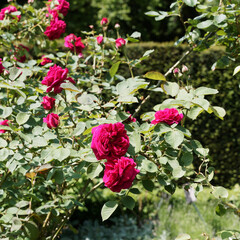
{"type": "Point", "coordinates": [66, 129]}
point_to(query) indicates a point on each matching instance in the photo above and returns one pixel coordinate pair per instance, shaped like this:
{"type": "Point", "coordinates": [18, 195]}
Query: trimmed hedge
{"type": "Point", "coordinates": [221, 137]}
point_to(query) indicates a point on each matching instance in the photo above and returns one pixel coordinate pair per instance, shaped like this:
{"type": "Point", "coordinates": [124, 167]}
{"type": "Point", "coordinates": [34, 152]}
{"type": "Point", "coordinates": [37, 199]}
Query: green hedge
{"type": "Point", "coordinates": [221, 137]}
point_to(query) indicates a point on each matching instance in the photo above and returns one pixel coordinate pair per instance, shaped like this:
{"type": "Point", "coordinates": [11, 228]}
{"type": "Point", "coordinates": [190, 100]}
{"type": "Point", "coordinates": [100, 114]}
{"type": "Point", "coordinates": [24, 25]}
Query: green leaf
{"type": "Point", "coordinates": [108, 209]}
{"type": "Point", "coordinates": [149, 166]}
{"type": "Point", "coordinates": [135, 191]}
{"type": "Point", "coordinates": [79, 129]}
{"type": "Point", "coordinates": [14, 72]}
{"type": "Point", "coordinates": [58, 176]}
{"type": "Point", "coordinates": [16, 224]}
{"type": "Point", "coordinates": [186, 159]}
{"type": "Point", "coordinates": [171, 188]}
{"type": "Point", "coordinates": [174, 138]}
{"type": "Point", "coordinates": [70, 87]}
{"type": "Point", "coordinates": [128, 202]}
{"type": "Point", "coordinates": [39, 142]}
{"type": "Point", "coordinates": [226, 234]}
{"type": "Point", "coordinates": [204, 24]}
{"type": "Point", "coordinates": [61, 153]}
{"type": "Point", "coordinates": [171, 88]}
{"type": "Point", "coordinates": [218, 111]}
{"type": "Point", "coordinates": [148, 185]}
{"type": "Point", "coordinates": [3, 143]}
{"type": "Point", "coordinates": [202, 103]}
{"type": "Point", "coordinates": [190, 3]}
{"type": "Point", "coordinates": [122, 116]}
{"type": "Point", "coordinates": [205, 91]}
{"type": "Point", "coordinates": [236, 70]}
{"type": "Point", "coordinates": [22, 118]}
{"type": "Point", "coordinates": [178, 172]}
{"type": "Point", "coordinates": [32, 230]}
{"type": "Point", "coordinates": [152, 14]}
{"type": "Point", "coordinates": [183, 236]}
{"type": "Point", "coordinates": [220, 18]}
{"type": "Point", "coordinates": [136, 35]}
{"type": "Point", "coordinates": [4, 153]}
{"type": "Point", "coordinates": [220, 210]}
{"type": "Point", "coordinates": [194, 112]}
{"type": "Point", "coordinates": [155, 76]}
{"type": "Point", "coordinates": [5, 112]}
{"type": "Point", "coordinates": [220, 192]}
{"type": "Point", "coordinates": [113, 70]}
{"type": "Point", "coordinates": [94, 170]}
{"type": "Point", "coordinates": [135, 140]}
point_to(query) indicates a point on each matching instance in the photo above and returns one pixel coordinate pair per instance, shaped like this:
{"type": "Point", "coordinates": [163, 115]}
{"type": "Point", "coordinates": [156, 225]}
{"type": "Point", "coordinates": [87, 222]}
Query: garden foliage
{"type": "Point", "coordinates": [65, 126]}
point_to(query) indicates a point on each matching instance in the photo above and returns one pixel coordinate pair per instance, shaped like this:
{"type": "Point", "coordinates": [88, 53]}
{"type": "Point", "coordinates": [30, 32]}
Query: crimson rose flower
{"type": "Point", "coordinates": [45, 60]}
{"type": "Point", "coordinates": [99, 39]}
{"type": "Point", "coordinates": [48, 102]}
{"type": "Point", "coordinates": [55, 77]}
{"type": "Point", "coordinates": [74, 43]}
{"type": "Point", "coordinates": [168, 116]}
{"type": "Point", "coordinates": [61, 7]}
{"type": "Point", "coordinates": [56, 28]}
{"type": "Point", "coordinates": [110, 141]}
{"type": "Point", "coordinates": [8, 9]}
{"type": "Point", "coordinates": [1, 66]}
{"type": "Point", "coordinates": [52, 120]}
{"type": "Point", "coordinates": [104, 21]}
{"type": "Point", "coordinates": [3, 123]}
{"type": "Point", "coordinates": [120, 42]}
{"type": "Point", "coordinates": [120, 174]}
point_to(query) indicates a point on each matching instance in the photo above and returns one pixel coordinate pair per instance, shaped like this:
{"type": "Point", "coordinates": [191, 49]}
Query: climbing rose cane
{"type": "Point", "coordinates": [119, 174]}
{"type": "Point", "coordinates": [168, 115]}
{"type": "Point", "coordinates": [110, 141]}
{"type": "Point", "coordinates": [52, 120]}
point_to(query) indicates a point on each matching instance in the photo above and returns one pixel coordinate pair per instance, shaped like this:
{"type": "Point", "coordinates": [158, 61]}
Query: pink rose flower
{"type": "Point", "coordinates": [104, 21]}
{"type": "Point", "coordinates": [20, 51]}
{"type": "Point", "coordinates": [52, 120]}
{"type": "Point", "coordinates": [1, 66]}
{"type": "Point", "coordinates": [56, 28]}
{"type": "Point", "coordinates": [74, 43]}
{"type": "Point", "coordinates": [120, 42]}
{"type": "Point", "coordinates": [55, 77]}
{"type": "Point", "coordinates": [168, 116]}
{"type": "Point", "coordinates": [61, 7]}
{"type": "Point", "coordinates": [9, 9]}
{"type": "Point", "coordinates": [120, 174]}
{"type": "Point", "coordinates": [110, 141]}
{"type": "Point", "coordinates": [3, 123]}
{"type": "Point", "coordinates": [99, 39]}
{"type": "Point", "coordinates": [48, 102]}
{"type": "Point", "coordinates": [45, 60]}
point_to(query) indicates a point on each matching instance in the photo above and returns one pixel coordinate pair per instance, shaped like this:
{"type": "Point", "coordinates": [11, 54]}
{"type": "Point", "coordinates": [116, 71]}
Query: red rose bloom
{"type": "Point", "coordinates": [52, 120]}
{"type": "Point", "coordinates": [3, 123]}
{"type": "Point", "coordinates": [45, 60]}
{"type": "Point", "coordinates": [104, 21]}
{"type": "Point", "coordinates": [120, 174]}
{"type": "Point", "coordinates": [110, 141]}
{"type": "Point", "coordinates": [55, 77]}
{"type": "Point", "coordinates": [74, 43]}
{"type": "Point", "coordinates": [1, 66]}
{"type": "Point", "coordinates": [9, 9]}
{"type": "Point", "coordinates": [56, 28]}
{"type": "Point", "coordinates": [120, 42]}
{"type": "Point", "coordinates": [168, 116]}
{"type": "Point", "coordinates": [61, 7]}
{"type": "Point", "coordinates": [99, 39]}
{"type": "Point", "coordinates": [48, 102]}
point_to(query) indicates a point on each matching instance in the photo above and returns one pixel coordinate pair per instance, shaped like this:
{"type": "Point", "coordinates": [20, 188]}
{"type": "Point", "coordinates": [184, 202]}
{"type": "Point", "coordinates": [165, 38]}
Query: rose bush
{"type": "Point", "coordinates": [52, 162]}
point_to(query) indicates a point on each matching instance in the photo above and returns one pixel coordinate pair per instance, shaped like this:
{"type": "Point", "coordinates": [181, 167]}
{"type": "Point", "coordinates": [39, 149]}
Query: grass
{"type": "Point", "coordinates": [176, 217]}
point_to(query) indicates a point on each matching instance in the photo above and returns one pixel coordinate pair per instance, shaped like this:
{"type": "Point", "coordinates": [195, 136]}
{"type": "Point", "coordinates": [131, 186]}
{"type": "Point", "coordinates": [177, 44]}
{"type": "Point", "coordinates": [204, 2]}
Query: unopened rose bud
{"type": "Point", "coordinates": [91, 26]}
{"type": "Point", "coordinates": [117, 26]}
{"type": "Point", "coordinates": [176, 70]}
{"type": "Point", "coordinates": [104, 21]}
{"type": "Point", "coordinates": [184, 68]}
{"type": "Point", "coordinates": [30, 1]}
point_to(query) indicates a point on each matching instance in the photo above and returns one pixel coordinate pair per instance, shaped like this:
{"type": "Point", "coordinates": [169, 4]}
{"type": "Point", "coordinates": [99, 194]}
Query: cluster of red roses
{"type": "Point", "coordinates": [7, 10]}
{"type": "Point", "coordinates": [55, 77]}
{"type": "Point", "coordinates": [110, 141]}
{"type": "Point", "coordinates": [57, 26]}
